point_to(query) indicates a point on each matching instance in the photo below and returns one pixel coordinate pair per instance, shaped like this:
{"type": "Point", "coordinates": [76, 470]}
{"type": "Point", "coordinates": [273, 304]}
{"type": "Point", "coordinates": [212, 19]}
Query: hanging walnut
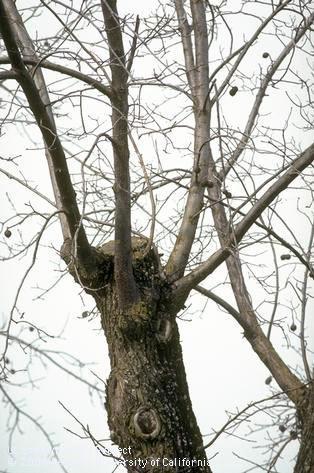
{"type": "Point", "coordinates": [233, 90]}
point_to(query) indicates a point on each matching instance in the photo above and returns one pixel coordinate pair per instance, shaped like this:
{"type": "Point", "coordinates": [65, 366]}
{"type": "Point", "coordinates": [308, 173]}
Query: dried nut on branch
{"type": "Point", "coordinates": [146, 423]}
{"type": "Point", "coordinates": [233, 90]}
{"type": "Point", "coordinates": [7, 233]}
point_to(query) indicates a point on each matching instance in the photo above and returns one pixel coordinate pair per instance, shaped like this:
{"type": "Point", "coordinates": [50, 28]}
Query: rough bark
{"type": "Point", "coordinates": [305, 460]}
{"type": "Point", "coordinates": [149, 410]}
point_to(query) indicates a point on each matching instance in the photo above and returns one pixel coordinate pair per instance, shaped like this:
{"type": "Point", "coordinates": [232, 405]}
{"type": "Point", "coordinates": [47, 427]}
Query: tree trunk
{"type": "Point", "coordinates": [305, 461]}
{"type": "Point", "coordinates": [149, 410]}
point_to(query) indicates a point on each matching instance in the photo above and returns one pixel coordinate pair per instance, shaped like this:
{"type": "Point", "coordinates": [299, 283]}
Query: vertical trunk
{"type": "Point", "coordinates": [305, 460]}
{"type": "Point", "coordinates": [149, 409]}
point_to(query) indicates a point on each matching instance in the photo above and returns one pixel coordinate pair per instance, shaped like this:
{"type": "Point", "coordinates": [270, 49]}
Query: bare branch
{"type": "Point", "coordinates": [49, 357]}
{"type": "Point", "coordinates": [247, 47]}
{"type": "Point", "coordinates": [21, 413]}
{"type": "Point", "coordinates": [240, 413]}
{"type": "Point", "coordinates": [219, 300]}
{"type": "Point", "coordinates": [306, 24]}
{"type": "Point", "coordinates": [297, 166]}
{"type": "Point", "coordinates": [17, 295]}
{"type": "Point", "coordinates": [186, 30]}
{"type": "Point", "coordinates": [126, 287]}
{"type": "Point", "coordinates": [6, 75]}
{"type": "Point", "coordinates": [134, 45]}
{"type": "Point", "coordinates": [186, 283]}
{"type": "Point", "coordinates": [51, 66]}
{"type": "Point", "coordinates": [151, 194]}
{"type": "Point", "coordinates": [64, 193]}
{"type": "Point", "coordinates": [203, 160]}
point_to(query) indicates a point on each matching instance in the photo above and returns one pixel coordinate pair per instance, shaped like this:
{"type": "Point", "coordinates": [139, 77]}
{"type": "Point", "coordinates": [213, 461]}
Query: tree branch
{"type": "Point", "coordinates": [261, 94]}
{"type": "Point", "coordinates": [262, 346]}
{"type": "Point", "coordinates": [6, 75]}
{"type": "Point", "coordinates": [28, 51]}
{"type": "Point", "coordinates": [49, 357]}
{"type": "Point", "coordinates": [126, 286]}
{"type": "Point", "coordinates": [297, 166]}
{"type": "Point", "coordinates": [288, 382]}
{"type": "Point", "coordinates": [188, 282]}
{"type": "Point", "coordinates": [219, 300]}
{"type": "Point", "coordinates": [37, 96]}
{"type": "Point", "coordinates": [185, 30]}
{"type": "Point", "coordinates": [203, 161]}
{"type": "Point", "coordinates": [247, 47]}
{"type": "Point", "coordinates": [21, 413]}
{"type": "Point", "coordinates": [51, 66]}
{"type": "Point", "coordinates": [134, 44]}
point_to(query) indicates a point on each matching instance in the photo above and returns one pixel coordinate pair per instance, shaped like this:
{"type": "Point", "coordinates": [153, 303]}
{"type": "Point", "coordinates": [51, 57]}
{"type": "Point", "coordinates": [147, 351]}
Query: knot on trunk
{"type": "Point", "coordinates": [164, 330]}
{"type": "Point", "coordinates": [147, 423]}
